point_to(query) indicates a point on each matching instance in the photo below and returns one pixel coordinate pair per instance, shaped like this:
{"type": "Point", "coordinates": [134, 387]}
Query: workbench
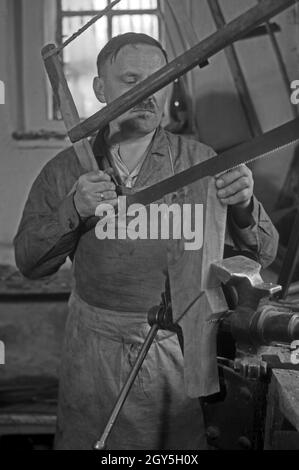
{"type": "Point", "coordinates": [32, 319]}
{"type": "Point", "coordinates": [282, 421]}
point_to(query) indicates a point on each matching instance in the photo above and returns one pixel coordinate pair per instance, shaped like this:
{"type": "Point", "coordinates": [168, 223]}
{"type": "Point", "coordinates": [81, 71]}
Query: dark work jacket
{"type": "Point", "coordinates": [51, 230]}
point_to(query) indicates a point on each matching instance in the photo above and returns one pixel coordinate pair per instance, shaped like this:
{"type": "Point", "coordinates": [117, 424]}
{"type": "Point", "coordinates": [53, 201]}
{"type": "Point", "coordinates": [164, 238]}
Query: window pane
{"type": "Point", "coordinates": [147, 24]}
{"type": "Point", "coordinates": [80, 61]}
{"type": "Point", "coordinates": [136, 5]}
{"type": "Point", "coordinates": [79, 5]}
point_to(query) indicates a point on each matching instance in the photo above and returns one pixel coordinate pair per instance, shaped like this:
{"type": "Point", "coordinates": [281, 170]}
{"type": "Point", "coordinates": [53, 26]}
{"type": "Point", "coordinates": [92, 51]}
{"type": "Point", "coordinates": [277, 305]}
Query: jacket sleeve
{"type": "Point", "coordinates": [49, 229]}
{"type": "Point", "coordinates": [260, 239]}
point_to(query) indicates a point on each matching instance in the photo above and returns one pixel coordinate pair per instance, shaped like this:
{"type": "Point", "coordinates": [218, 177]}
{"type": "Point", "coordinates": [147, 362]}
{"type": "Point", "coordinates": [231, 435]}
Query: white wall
{"type": "Point", "coordinates": [220, 117]}
{"type": "Point", "coordinates": [19, 162]}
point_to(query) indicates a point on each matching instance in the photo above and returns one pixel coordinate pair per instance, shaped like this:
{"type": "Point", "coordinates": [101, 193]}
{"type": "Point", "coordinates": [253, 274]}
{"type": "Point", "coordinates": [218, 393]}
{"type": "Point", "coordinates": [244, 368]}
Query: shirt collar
{"type": "Point", "coordinates": [101, 147]}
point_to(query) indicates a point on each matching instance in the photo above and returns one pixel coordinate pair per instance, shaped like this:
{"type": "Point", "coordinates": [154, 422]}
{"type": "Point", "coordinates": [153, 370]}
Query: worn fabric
{"type": "Point", "coordinates": [51, 230]}
{"type": "Point", "coordinates": [128, 178]}
{"type": "Point", "coordinates": [50, 227]}
{"type": "Point", "coordinates": [99, 351]}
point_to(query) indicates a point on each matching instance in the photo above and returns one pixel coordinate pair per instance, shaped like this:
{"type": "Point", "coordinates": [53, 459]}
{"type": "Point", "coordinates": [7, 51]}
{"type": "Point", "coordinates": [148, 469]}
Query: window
{"type": "Point", "coordinates": [79, 58]}
{"type": "Point", "coordinates": [35, 23]}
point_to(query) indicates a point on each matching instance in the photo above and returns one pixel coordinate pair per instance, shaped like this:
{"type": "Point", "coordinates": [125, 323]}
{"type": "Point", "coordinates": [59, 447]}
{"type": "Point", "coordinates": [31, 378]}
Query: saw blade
{"type": "Point", "coordinates": [265, 145]}
{"type": "Point", "coordinates": [268, 143]}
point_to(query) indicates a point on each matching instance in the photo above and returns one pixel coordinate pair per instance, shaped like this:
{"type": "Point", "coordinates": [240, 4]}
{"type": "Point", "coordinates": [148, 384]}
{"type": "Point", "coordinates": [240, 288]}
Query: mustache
{"type": "Point", "coordinates": [148, 105]}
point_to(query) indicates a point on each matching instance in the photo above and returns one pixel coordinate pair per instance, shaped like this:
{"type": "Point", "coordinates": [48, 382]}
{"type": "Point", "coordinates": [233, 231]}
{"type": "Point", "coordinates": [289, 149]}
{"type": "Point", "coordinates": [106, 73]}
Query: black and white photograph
{"type": "Point", "coordinates": [149, 229]}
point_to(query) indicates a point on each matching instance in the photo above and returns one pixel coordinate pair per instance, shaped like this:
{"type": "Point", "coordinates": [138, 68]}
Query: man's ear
{"type": "Point", "coordinates": [98, 88]}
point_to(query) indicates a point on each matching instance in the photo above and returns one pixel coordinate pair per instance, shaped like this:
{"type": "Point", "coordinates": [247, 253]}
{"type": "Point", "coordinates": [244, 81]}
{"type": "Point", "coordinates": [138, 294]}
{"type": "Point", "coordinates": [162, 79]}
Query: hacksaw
{"type": "Point", "coordinates": [268, 144]}
{"type": "Point", "coordinates": [245, 153]}
{"type": "Point", "coordinates": [78, 131]}
{"type": "Point", "coordinates": [262, 146]}
{"type": "Point", "coordinates": [198, 54]}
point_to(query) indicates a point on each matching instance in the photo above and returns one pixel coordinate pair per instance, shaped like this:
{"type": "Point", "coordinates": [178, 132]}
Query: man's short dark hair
{"type": "Point", "coordinates": [112, 48]}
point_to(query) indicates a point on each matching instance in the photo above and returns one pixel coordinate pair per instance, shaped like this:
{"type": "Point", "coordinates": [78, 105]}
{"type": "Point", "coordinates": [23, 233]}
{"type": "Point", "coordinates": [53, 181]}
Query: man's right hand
{"type": "Point", "coordinates": [93, 189]}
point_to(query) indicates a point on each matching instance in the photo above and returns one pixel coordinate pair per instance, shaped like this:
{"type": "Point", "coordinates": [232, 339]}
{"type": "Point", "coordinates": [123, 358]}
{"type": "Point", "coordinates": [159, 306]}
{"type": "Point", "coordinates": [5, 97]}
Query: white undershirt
{"type": "Point", "coordinates": [128, 177]}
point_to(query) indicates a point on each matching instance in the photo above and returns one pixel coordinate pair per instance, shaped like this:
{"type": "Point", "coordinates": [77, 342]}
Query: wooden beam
{"type": "Point", "coordinates": [182, 64]}
{"type": "Point", "coordinates": [290, 260]}
{"type": "Point", "coordinates": [67, 106]}
{"type": "Point", "coordinates": [237, 74]}
{"type": "Point", "coordinates": [281, 65]}
{"type": "Point", "coordinates": [185, 28]}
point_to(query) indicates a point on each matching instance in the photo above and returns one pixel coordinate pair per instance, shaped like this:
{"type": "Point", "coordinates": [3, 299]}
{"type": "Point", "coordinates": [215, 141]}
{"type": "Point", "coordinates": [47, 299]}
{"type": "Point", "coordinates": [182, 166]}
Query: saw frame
{"type": "Point", "coordinates": [79, 131]}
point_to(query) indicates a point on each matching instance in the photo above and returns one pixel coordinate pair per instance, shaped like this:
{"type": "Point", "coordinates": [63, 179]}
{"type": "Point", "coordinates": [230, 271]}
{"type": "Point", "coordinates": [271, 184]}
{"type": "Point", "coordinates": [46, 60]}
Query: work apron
{"type": "Point", "coordinates": [99, 351]}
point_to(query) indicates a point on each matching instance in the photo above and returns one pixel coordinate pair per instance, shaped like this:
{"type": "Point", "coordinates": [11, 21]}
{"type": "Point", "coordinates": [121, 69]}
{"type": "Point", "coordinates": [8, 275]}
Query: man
{"type": "Point", "coordinates": [116, 282]}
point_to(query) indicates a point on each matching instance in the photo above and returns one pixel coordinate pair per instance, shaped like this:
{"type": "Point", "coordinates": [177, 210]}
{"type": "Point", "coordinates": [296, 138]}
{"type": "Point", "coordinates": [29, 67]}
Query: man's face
{"type": "Point", "coordinates": [133, 64]}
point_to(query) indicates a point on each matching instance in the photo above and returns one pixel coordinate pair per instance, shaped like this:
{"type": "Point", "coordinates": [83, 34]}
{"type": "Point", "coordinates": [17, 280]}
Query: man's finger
{"type": "Point", "coordinates": [238, 185]}
{"type": "Point", "coordinates": [237, 198]}
{"type": "Point", "coordinates": [111, 202]}
{"type": "Point", "coordinates": [105, 195]}
{"type": "Point", "coordinates": [98, 176]}
{"type": "Point", "coordinates": [223, 179]}
{"type": "Point", "coordinates": [101, 186]}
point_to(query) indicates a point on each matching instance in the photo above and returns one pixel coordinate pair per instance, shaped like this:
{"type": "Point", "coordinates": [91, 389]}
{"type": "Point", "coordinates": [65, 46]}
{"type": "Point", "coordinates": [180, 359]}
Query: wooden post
{"type": "Point", "coordinates": [281, 64]}
{"type": "Point", "coordinates": [189, 38]}
{"type": "Point", "coordinates": [67, 106]}
{"type": "Point", "coordinates": [185, 28]}
{"type": "Point", "coordinates": [237, 74]}
{"type": "Point", "coordinates": [290, 259]}
{"type": "Point", "coordinates": [198, 54]}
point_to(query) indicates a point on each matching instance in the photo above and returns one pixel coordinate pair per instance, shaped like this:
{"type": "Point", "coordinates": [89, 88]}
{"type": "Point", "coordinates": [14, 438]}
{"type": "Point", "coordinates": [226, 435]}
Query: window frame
{"type": "Point", "coordinates": [59, 38]}
{"type": "Point", "coordinates": [35, 24]}
{"type": "Point", "coordinates": [115, 12]}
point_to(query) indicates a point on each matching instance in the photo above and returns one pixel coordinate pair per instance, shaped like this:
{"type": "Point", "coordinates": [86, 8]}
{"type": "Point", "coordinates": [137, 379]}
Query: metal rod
{"type": "Point", "coordinates": [78, 33]}
{"type": "Point", "coordinates": [101, 444]}
{"type": "Point", "coordinates": [182, 64]}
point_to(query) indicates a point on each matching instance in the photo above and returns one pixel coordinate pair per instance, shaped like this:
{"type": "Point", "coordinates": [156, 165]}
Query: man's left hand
{"type": "Point", "coordinates": [235, 187]}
